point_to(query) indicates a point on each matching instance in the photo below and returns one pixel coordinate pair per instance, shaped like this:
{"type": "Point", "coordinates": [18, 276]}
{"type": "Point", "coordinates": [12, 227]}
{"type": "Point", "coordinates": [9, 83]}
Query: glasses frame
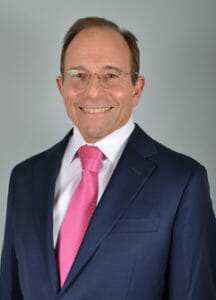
{"type": "Point", "coordinates": [99, 76]}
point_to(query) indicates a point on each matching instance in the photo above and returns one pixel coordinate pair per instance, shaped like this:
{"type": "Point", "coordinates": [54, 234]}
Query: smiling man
{"type": "Point", "coordinates": [107, 213]}
{"type": "Point", "coordinates": [96, 82]}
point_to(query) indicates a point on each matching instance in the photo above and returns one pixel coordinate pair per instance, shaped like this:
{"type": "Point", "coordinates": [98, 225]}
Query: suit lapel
{"type": "Point", "coordinates": [45, 174]}
{"type": "Point", "coordinates": [131, 173]}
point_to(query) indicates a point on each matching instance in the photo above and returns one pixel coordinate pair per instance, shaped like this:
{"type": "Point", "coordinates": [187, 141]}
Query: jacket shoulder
{"type": "Point", "coordinates": [169, 154]}
{"type": "Point", "coordinates": [162, 155]}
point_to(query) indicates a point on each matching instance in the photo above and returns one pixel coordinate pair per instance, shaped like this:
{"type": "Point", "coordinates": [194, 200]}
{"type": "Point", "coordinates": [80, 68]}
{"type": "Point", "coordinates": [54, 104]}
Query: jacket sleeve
{"type": "Point", "coordinates": [192, 268]}
{"type": "Point", "coordinates": [9, 277]}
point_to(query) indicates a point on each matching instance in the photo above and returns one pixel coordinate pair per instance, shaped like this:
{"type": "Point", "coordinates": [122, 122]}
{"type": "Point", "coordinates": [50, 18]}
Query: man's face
{"type": "Point", "coordinates": [95, 110]}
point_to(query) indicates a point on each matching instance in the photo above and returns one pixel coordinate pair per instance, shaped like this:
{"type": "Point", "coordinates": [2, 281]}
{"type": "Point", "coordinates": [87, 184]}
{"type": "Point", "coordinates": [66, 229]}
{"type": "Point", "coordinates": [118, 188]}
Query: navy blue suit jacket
{"type": "Point", "coordinates": [152, 236]}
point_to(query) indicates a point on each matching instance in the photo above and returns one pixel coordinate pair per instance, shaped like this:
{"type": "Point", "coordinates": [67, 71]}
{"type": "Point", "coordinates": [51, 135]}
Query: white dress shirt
{"type": "Point", "coordinates": [70, 172]}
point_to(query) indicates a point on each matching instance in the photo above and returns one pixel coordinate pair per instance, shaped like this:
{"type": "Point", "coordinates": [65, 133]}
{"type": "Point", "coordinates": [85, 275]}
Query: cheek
{"type": "Point", "coordinates": [119, 94]}
{"type": "Point", "coordinates": [69, 98]}
{"type": "Point", "coordinates": [69, 106]}
{"type": "Point", "coordinates": [68, 93]}
{"type": "Point", "coordinates": [122, 97]}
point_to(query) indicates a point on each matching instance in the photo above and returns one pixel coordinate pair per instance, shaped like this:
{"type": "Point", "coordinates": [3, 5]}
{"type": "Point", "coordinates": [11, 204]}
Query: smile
{"type": "Point", "coordinates": [95, 110]}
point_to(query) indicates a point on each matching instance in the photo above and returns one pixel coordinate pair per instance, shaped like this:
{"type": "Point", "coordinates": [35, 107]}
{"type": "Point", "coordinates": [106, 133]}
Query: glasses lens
{"type": "Point", "coordinates": [111, 79]}
{"type": "Point", "coordinates": [78, 79]}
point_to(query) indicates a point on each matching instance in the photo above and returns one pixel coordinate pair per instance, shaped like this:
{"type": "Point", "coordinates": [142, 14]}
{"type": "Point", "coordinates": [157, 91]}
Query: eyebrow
{"type": "Point", "coordinates": [77, 68]}
{"type": "Point", "coordinates": [110, 67]}
{"type": "Point", "coordinates": [106, 67]}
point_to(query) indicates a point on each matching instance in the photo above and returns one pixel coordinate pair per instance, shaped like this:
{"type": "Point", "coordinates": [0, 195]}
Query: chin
{"type": "Point", "coordinates": [93, 135]}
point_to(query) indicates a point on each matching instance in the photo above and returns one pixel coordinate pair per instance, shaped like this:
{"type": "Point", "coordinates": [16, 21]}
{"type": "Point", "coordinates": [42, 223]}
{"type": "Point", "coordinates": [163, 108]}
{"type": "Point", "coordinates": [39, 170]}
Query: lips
{"type": "Point", "coordinates": [95, 110]}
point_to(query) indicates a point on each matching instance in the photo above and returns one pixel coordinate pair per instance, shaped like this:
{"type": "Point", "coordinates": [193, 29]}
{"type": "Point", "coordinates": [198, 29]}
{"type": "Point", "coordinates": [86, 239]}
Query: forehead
{"type": "Point", "coordinates": [97, 47]}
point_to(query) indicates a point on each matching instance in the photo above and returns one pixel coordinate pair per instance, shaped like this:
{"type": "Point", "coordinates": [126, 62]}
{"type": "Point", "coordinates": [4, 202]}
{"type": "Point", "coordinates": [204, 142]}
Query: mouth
{"type": "Point", "coordinates": [95, 110]}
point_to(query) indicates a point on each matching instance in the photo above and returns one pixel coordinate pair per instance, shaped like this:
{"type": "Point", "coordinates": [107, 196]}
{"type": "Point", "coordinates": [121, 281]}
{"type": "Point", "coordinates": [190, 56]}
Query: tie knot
{"type": "Point", "coordinates": [90, 157]}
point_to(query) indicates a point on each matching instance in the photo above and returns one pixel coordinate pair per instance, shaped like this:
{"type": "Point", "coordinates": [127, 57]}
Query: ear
{"type": "Point", "coordinates": [137, 89]}
{"type": "Point", "coordinates": [59, 82]}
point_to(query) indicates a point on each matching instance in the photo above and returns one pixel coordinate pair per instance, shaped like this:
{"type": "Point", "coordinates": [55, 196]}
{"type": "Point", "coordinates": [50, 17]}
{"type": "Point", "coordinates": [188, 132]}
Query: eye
{"type": "Point", "coordinates": [111, 76]}
{"type": "Point", "coordinates": [78, 75]}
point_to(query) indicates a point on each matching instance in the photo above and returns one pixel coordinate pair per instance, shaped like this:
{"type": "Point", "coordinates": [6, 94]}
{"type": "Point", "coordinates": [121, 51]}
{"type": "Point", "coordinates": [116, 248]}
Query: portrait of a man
{"type": "Point", "coordinates": [107, 213]}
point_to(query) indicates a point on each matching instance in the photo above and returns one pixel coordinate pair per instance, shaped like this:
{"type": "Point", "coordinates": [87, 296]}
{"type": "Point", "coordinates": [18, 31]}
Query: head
{"type": "Point", "coordinates": [99, 48]}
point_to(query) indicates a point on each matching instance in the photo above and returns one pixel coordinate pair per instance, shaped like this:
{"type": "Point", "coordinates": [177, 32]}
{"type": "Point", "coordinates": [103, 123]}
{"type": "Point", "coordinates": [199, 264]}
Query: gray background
{"type": "Point", "coordinates": [178, 58]}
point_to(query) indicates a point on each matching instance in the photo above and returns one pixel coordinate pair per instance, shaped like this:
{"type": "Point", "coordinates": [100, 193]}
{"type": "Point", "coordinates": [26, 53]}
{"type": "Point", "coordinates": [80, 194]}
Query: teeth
{"type": "Point", "coordinates": [96, 110]}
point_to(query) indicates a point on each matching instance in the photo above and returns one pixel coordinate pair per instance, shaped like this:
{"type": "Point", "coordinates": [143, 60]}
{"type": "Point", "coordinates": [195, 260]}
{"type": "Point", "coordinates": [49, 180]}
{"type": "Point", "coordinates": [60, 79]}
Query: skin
{"type": "Point", "coordinates": [94, 49]}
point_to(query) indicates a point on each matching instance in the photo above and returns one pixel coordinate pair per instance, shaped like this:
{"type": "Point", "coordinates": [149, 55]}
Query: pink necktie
{"type": "Point", "coordinates": [79, 211]}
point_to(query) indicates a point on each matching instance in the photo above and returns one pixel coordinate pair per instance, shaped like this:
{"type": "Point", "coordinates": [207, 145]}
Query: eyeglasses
{"type": "Point", "coordinates": [109, 79]}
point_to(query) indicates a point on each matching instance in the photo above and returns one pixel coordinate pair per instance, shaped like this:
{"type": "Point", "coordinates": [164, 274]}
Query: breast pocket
{"type": "Point", "coordinates": [140, 225]}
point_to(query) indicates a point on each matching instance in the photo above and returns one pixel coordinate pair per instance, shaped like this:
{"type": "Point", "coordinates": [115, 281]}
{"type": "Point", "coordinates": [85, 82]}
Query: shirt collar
{"type": "Point", "coordinates": [111, 145]}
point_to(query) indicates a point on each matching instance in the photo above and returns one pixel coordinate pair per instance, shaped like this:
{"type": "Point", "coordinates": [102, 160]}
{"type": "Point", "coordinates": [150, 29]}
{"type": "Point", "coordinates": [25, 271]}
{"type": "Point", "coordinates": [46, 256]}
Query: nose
{"type": "Point", "coordinates": [93, 86]}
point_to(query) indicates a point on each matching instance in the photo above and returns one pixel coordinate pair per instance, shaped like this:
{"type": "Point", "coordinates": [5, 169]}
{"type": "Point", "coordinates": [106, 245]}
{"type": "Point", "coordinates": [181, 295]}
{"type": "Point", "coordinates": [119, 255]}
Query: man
{"type": "Point", "coordinates": [150, 232]}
